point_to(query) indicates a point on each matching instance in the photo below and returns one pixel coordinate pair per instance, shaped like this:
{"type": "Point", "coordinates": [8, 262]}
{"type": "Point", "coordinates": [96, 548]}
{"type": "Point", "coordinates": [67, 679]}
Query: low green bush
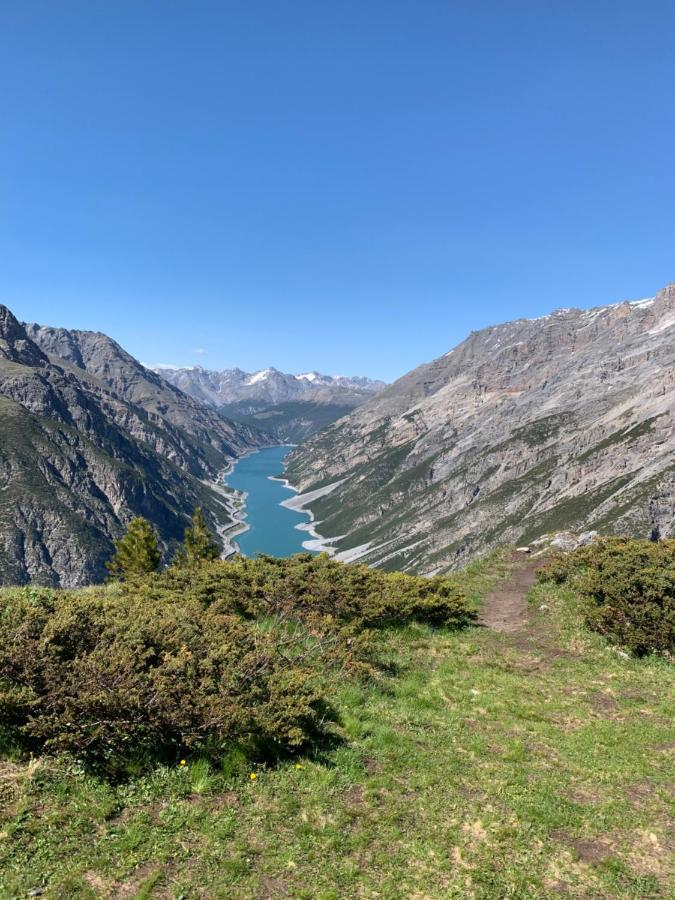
{"type": "Point", "coordinates": [629, 586]}
{"type": "Point", "coordinates": [120, 681]}
{"type": "Point", "coordinates": [199, 659]}
{"type": "Point", "coordinates": [305, 585]}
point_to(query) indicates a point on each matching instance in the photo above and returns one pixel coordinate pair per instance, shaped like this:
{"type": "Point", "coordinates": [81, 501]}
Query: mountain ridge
{"type": "Point", "coordinates": [90, 440]}
{"type": "Point", "coordinates": [290, 407]}
{"type": "Point", "coordinates": [486, 443]}
{"type": "Point", "coordinates": [270, 384]}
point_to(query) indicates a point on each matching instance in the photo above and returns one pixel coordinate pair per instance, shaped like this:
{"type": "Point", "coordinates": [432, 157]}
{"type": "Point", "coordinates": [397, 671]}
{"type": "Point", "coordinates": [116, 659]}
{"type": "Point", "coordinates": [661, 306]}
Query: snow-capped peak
{"type": "Point", "coordinates": [308, 376]}
{"type": "Point", "coordinates": [263, 375]}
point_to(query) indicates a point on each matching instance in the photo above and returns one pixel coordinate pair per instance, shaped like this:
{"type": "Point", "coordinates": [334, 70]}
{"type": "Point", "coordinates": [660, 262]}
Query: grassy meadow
{"type": "Point", "coordinates": [471, 764]}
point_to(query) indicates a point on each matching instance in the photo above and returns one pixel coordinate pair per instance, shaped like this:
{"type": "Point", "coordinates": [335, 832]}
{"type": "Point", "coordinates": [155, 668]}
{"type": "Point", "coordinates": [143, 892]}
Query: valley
{"type": "Point", "coordinates": [526, 428]}
{"type": "Point", "coordinates": [267, 525]}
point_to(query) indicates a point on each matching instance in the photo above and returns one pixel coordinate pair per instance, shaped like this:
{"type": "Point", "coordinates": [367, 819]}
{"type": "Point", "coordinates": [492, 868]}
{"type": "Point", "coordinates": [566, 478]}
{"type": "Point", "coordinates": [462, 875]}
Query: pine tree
{"type": "Point", "coordinates": [137, 553]}
{"type": "Point", "coordinates": [198, 544]}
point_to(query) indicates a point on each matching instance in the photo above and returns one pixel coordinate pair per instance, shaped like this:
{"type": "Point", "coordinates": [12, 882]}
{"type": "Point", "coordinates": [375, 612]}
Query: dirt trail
{"type": "Point", "coordinates": [505, 608]}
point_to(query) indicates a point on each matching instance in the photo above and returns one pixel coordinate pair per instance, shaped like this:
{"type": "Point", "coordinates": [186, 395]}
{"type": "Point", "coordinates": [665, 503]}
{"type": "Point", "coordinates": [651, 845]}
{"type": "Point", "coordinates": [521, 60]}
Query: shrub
{"type": "Point", "coordinates": [206, 659]}
{"type": "Point", "coordinates": [120, 681]}
{"type": "Point", "coordinates": [305, 586]}
{"type": "Point", "coordinates": [342, 605]}
{"type": "Point", "coordinates": [629, 586]}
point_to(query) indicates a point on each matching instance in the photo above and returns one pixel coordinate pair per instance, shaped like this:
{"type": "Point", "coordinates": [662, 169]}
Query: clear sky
{"type": "Point", "coordinates": [345, 186]}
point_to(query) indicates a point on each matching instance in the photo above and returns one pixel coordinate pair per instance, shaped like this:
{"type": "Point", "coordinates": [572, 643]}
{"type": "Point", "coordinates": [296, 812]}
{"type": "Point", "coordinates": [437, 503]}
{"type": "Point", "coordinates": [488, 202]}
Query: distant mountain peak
{"type": "Point", "coordinates": [270, 384]}
{"type": "Point", "coordinates": [262, 375]}
{"type": "Point", "coordinates": [289, 407]}
{"type": "Point", "coordinates": [308, 376]}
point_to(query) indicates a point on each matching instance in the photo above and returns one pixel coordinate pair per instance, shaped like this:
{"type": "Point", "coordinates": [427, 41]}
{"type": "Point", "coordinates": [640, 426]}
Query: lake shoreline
{"type": "Point", "coordinates": [237, 514]}
{"type": "Point", "coordinates": [319, 543]}
{"type": "Point", "coordinates": [240, 511]}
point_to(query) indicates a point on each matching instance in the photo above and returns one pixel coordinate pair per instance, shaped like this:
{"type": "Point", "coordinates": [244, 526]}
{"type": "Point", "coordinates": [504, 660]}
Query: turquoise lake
{"type": "Point", "coordinates": [271, 526]}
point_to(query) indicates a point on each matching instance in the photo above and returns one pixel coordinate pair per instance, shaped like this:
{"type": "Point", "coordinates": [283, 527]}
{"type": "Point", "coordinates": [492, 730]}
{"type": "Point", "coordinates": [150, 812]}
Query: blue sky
{"type": "Point", "coordinates": [350, 187]}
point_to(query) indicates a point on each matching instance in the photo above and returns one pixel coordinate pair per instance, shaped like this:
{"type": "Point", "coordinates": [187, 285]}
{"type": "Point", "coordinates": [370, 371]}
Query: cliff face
{"type": "Point", "coordinates": [524, 428]}
{"type": "Point", "coordinates": [205, 431]}
{"type": "Point", "coordinates": [89, 440]}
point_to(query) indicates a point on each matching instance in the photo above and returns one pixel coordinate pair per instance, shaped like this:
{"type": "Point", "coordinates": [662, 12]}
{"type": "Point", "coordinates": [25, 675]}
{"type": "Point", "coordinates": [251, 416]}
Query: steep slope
{"type": "Point", "coordinates": [79, 458]}
{"type": "Point", "coordinates": [290, 407]}
{"type": "Point", "coordinates": [206, 435]}
{"type": "Point", "coordinates": [524, 428]}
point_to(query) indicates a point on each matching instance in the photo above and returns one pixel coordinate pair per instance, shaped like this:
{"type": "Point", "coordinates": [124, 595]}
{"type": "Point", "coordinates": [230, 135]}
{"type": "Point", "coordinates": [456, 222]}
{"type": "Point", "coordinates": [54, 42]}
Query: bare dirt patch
{"type": "Point", "coordinates": [271, 888]}
{"type": "Point", "coordinates": [95, 882]}
{"type": "Point", "coordinates": [228, 800]}
{"type": "Point", "coordinates": [354, 796]}
{"type": "Point", "coordinates": [591, 851]}
{"type": "Point", "coordinates": [130, 888]}
{"type": "Point", "coordinates": [505, 608]}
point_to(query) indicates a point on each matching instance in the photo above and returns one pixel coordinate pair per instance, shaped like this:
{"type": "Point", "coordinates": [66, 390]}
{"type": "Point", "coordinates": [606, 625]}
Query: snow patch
{"type": "Point", "coordinates": [640, 303]}
{"type": "Point", "coordinates": [263, 375]}
{"type": "Point", "coordinates": [307, 376]}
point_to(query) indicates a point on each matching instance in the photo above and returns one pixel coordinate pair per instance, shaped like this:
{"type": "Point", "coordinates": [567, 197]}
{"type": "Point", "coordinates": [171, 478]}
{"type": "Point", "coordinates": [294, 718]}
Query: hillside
{"type": "Point", "coordinates": [524, 428]}
{"type": "Point", "coordinates": [90, 439]}
{"type": "Point", "coordinates": [531, 762]}
{"type": "Point", "coordinates": [290, 407]}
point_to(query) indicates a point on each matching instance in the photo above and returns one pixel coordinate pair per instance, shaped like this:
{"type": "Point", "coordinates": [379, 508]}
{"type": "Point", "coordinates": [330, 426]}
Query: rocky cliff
{"type": "Point", "coordinates": [89, 439]}
{"type": "Point", "coordinates": [524, 428]}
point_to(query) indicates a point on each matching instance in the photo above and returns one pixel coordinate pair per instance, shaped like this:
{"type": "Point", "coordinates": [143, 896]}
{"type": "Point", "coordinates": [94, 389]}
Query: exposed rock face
{"type": "Point", "coordinates": [564, 422]}
{"type": "Point", "coordinates": [290, 407]}
{"type": "Point", "coordinates": [90, 440]}
{"type": "Point", "coordinates": [14, 343]}
{"type": "Point", "coordinates": [166, 405]}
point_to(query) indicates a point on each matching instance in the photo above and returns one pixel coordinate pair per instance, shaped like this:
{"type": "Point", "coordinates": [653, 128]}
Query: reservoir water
{"type": "Point", "coordinates": [272, 528]}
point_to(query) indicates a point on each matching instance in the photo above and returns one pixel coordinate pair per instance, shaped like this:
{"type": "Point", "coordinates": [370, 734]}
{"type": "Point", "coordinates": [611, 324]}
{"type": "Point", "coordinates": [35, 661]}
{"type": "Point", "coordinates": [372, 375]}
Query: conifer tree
{"type": "Point", "coordinates": [137, 553]}
{"type": "Point", "coordinates": [198, 544]}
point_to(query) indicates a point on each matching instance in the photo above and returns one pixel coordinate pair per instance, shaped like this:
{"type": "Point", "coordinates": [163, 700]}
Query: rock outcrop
{"type": "Point", "coordinates": [535, 426]}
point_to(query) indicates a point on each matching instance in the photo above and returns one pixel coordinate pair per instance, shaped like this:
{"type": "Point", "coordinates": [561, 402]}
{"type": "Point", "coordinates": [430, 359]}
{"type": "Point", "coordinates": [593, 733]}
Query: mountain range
{"type": "Point", "coordinates": [525, 428]}
{"type": "Point", "coordinates": [91, 438]}
{"type": "Point", "coordinates": [534, 426]}
{"type": "Point", "coordinates": [289, 407]}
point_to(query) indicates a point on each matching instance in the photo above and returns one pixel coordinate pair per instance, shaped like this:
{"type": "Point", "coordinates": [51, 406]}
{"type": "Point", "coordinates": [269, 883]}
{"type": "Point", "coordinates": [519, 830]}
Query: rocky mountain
{"type": "Point", "coordinates": [289, 407]}
{"type": "Point", "coordinates": [534, 426]}
{"type": "Point", "coordinates": [206, 436]}
{"type": "Point", "coordinates": [89, 439]}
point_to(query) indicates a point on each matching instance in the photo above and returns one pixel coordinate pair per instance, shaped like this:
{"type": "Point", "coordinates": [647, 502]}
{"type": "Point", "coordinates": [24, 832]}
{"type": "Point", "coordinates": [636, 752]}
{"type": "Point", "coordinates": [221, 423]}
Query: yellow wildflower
{"type": "Point", "coordinates": [253, 776]}
{"type": "Point", "coordinates": [182, 763]}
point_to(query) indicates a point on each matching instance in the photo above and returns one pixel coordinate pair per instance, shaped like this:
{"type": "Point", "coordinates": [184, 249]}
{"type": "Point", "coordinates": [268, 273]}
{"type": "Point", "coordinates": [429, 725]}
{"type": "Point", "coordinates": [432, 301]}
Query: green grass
{"type": "Point", "coordinates": [526, 766]}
